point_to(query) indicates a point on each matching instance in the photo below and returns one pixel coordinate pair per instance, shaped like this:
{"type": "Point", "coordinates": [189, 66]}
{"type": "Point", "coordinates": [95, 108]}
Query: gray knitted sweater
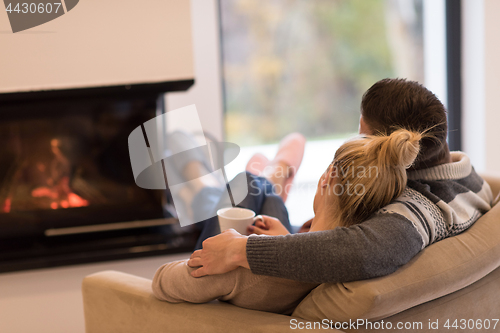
{"type": "Point", "coordinates": [437, 203]}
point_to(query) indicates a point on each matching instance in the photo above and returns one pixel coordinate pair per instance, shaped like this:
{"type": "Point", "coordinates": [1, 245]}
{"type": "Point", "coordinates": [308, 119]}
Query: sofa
{"type": "Point", "coordinates": [452, 285]}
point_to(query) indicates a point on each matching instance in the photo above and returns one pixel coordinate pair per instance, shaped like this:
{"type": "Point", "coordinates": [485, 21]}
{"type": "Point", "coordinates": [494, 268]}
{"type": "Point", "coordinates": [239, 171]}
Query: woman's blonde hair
{"type": "Point", "coordinates": [371, 172]}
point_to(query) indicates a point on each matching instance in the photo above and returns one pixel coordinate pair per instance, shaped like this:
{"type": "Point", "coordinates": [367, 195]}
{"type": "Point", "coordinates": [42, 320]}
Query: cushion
{"type": "Point", "coordinates": [440, 269]}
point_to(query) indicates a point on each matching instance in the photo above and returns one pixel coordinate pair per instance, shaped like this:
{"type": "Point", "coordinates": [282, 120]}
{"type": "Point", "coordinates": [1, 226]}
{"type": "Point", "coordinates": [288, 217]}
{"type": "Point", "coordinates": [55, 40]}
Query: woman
{"type": "Point", "coordinates": [366, 174]}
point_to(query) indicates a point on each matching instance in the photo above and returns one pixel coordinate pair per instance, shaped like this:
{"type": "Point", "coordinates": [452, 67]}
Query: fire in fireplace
{"type": "Point", "coordinates": [62, 158]}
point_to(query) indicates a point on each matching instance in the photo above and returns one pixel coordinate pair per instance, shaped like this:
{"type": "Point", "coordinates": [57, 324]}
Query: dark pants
{"type": "Point", "coordinates": [261, 199]}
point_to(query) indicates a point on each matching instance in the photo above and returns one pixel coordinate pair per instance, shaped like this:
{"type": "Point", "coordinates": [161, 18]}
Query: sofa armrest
{"type": "Point", "coordinates": [119, 302]}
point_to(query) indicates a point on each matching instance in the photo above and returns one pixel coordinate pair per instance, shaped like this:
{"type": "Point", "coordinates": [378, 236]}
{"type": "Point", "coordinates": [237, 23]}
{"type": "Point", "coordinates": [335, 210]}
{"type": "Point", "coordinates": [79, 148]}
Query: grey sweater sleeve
{"type": "Point", "coordinates": [373, 248]}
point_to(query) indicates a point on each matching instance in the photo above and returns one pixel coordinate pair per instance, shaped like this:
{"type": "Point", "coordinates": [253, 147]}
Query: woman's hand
{"type": "Point", "coordinates": [267, 225]}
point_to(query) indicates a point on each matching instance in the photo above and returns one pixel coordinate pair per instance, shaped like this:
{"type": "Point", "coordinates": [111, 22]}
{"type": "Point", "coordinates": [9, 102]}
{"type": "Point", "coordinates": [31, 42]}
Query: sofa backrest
{"type": "Point", "coordinates": [494, 182]}
{"type": "Point", "coordinates": [440, 269]}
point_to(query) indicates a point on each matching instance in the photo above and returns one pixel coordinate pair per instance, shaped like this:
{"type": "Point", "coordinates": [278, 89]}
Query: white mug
{"type": "Point", "coordinates": [235, 218]}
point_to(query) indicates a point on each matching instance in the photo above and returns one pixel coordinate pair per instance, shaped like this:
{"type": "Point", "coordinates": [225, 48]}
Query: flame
{"type": "Point", "coordinates": [44, 192]}
{"type": "Point", "coordinates": [57, 182]}
{"type": "Point", "coordinates": [6, 205]}
{"type": "Point", "coordinates": [61, 195]}
{"type": "Point", "coordinates": [76, 201]}
{"type": "Point", "coordinates": [61, 200]}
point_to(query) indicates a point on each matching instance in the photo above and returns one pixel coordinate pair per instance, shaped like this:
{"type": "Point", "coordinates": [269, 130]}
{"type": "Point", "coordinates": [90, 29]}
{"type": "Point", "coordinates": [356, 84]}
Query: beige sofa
{"type": "Point", "coordinates": [455, 279]}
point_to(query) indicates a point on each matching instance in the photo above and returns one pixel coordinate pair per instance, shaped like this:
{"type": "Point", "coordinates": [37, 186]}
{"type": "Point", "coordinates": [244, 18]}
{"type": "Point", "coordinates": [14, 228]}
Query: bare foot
{"type": "Point", "coordinates": [278, 173]}
{"type": "Point", "coordinates": [256, 164]}
{"type": "Point", "coordinates": [281, 171]}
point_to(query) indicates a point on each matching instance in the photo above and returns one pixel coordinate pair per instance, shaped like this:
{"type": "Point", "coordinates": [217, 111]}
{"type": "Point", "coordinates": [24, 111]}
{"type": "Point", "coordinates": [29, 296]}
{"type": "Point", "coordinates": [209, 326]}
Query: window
{"type": "Point", "coordinates": [297, 65]}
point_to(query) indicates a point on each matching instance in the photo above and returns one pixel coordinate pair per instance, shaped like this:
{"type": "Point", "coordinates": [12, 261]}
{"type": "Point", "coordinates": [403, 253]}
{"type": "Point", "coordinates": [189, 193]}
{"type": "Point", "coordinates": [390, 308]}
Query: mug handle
{"type": "Point", "coordinates": [258, 217]}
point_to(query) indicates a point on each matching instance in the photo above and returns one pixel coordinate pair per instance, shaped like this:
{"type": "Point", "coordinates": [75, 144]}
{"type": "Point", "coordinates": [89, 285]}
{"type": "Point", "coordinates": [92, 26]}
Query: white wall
{"type": "Point", "coordinates": [481, 83]}
{"type": "Point", "coordinates": [492, 85]}
{"type": "Point", "coordinates": [100, 43]}
{"type": "Point", "coordinates": [206, 93]}
{"type": "Point", "coordinates": [473, 86]}
{"type": "Point", "coordinates": [50, 300]}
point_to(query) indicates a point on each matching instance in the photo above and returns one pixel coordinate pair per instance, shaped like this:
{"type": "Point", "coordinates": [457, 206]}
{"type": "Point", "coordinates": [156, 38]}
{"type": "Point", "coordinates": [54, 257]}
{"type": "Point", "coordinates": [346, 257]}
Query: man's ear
{"type": "Point", "coordinates": [364, 129]}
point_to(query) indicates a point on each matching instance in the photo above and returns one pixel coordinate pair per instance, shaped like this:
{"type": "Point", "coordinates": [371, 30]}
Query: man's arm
{"type": "Point", "coordinates": [373, 248]}
{"type": "Point", "coordinates": [370, 249]}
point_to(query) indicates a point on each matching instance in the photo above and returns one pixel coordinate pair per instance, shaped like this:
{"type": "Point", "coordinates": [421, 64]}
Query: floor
{"type": "Point", "coordinates": [50, 300]}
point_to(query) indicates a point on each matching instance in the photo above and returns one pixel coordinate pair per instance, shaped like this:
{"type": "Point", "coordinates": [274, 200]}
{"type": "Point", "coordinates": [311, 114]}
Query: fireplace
{"type": "Point", "coordinates": [67, 192]}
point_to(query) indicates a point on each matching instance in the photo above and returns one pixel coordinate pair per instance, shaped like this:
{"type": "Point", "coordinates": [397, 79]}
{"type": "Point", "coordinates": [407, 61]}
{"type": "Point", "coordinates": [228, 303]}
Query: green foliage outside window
{"type": "Point", "coordinates": [303, 65]}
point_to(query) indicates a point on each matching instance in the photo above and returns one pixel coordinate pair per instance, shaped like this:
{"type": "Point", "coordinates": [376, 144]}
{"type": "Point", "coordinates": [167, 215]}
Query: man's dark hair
{"type": "Point", "coordinates": [392, 104]}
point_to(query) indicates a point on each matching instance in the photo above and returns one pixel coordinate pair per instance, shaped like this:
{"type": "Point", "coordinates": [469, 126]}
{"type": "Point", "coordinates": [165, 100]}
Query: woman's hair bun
{"type": "Point", "coordinates": [404, 145]}
{"type": "Point", "coordinates": [399, 149]}
{"type": "Point", "coordinates": [378, 164]}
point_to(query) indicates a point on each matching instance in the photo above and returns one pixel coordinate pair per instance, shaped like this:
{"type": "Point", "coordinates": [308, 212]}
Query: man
{"type": "Point", "coordinates": [444, 197]}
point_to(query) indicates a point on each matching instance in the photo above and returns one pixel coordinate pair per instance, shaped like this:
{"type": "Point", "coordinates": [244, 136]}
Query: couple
{"type": "Point", "coordinates": [420, 193]}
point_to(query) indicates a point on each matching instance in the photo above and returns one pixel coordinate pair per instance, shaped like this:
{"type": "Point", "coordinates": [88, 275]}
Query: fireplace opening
{"type": "Point", "coordinates": [67, 192]}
